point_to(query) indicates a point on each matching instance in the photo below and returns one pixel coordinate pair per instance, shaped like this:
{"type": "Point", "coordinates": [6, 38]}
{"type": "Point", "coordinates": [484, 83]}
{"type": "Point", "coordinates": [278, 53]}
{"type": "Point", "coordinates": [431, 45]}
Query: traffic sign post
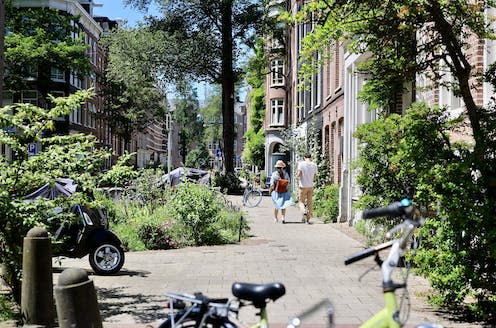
{"type": "Point", "coordinates": [33, 149]}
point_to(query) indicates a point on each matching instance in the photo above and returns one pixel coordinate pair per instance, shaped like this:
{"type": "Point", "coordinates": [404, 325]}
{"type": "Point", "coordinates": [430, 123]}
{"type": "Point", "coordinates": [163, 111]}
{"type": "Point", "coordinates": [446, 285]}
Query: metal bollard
{"type": "Point", "coordinates": [37, 306]}
{"type": "Point", "coordinates": [75, 298]}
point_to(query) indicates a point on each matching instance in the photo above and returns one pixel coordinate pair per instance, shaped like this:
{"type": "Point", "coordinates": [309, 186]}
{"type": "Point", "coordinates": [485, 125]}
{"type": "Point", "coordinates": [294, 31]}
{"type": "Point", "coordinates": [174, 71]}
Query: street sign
{"type": "Point", "coordinates": [33, 149]}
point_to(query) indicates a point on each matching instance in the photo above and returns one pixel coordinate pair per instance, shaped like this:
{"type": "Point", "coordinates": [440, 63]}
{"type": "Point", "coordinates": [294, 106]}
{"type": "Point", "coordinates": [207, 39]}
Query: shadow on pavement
{"type": "Point", "coordinates": [123, 272]}
{"type": "Point", "coordinates": [142, 308]}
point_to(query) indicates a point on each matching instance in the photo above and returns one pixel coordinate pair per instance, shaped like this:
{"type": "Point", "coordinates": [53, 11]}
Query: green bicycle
{"type": "Point", "coordinates": [394, 314]}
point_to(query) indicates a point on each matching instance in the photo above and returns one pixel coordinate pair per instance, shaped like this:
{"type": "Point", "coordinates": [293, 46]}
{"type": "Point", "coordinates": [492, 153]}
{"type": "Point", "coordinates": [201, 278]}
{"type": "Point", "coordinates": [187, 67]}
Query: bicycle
{"type": "Point", "coordinates": [198, 310]}
{"type": "Point", "coordinates": [251, 196]}
{"type": "Point", "coordinates": [393, 315]}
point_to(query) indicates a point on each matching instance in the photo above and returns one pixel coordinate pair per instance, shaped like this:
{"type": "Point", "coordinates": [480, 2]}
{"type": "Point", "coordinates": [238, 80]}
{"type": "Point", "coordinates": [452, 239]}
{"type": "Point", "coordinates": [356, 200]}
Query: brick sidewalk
{"type": "Point", "coordinates": [308, 259]}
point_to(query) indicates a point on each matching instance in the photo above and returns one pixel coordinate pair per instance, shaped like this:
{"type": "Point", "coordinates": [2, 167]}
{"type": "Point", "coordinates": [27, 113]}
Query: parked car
{"type": "Point", "coordinates": [88, 235]}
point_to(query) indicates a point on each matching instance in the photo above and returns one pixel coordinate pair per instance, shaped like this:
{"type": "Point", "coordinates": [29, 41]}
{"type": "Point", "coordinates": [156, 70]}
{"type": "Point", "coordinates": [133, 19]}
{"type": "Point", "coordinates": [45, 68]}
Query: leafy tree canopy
{"type": "Point", "coordinates": [72, 156]}
{"type": "Point", "coordinates": [38, 40]}
{"type": "Point", "coordinates": [210, 34]}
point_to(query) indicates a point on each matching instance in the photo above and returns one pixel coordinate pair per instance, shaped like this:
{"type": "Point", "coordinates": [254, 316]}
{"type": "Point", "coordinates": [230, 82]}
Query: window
{"type": "Point", "coordinates": [277, 110]}
{"type": "Point", "coordinates": [8, 98]}
{"type": "Point", "coordinates": [57, 74]}
{"type": "Point", "coordinates": [29, 96]}
{"type": "Point", "coordinates": [277, 72]}
{"type": "Point", "coordinates": [316, 86]}
{"type": "Point", "coordinates": [90, 117]}
{"type": "Point", "coordinates": [31, 73]}
{"type": "Point", "coordinates": [338, 61]}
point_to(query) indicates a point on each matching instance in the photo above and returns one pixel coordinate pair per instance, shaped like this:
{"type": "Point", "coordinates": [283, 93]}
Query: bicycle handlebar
{"type": "Point", "coordinates": [395, 209]}
{"type": "Point", "coordinates": [367, 252]}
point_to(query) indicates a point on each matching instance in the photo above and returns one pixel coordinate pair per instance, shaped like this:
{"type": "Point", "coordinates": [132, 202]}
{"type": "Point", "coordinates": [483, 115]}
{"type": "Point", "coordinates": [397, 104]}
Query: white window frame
{"type": "Point", "coordinates": [57, 74]}
{"type": "Point", "coordinates": [277, 72]}
{"type": "Point", "coordinates": [29, 98]}
{"type": "Point", "coordinates": [277, 111]}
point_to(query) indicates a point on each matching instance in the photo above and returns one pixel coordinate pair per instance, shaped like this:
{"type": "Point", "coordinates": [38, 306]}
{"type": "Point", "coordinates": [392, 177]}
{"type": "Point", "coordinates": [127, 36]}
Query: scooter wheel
{"type": "Point", "coordinates": [106, 258]}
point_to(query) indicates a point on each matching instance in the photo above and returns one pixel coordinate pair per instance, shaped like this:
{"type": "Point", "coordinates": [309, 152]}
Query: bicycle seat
{"type": "Point", "coordinates": [258, 293]}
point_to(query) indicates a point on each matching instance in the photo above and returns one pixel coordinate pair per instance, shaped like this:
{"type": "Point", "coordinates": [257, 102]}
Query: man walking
{"type": "Point", "coordinates": [306, 172]}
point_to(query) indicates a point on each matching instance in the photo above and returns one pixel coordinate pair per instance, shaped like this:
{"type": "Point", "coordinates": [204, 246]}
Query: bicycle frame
{"type": "Point", "coordinates": [385, 317]}
{"type": "Point", "coordinates": [388, 316]}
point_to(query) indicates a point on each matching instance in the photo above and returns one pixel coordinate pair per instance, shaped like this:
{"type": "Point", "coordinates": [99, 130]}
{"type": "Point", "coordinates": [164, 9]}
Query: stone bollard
{"type": "Point", "coordinates": [37, 279]}
{"type": "Point", "coordinates": [75, 297]}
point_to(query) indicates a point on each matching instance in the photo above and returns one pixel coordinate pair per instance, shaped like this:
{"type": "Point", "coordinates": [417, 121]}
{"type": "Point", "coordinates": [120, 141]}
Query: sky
{"type": "Point", "coordinates": [115, 9]}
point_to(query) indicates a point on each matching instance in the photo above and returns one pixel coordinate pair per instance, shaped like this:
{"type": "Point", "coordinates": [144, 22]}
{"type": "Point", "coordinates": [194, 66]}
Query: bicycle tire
{"type": "Point", "coordinates": [192, 321]}
{"type": "Point", "coordinates": [253, 198]}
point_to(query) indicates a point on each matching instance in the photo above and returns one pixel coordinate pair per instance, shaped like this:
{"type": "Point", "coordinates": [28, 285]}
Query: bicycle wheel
{"type": "Point", "coordinates": [193, 320]}
{"type": "Point", "coordinates": [253, 198]}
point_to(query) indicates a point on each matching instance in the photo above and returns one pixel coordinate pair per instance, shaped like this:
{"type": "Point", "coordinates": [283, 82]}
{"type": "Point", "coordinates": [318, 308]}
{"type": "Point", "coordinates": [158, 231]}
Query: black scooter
{"type": "Point", "coordinates": [88, 235]}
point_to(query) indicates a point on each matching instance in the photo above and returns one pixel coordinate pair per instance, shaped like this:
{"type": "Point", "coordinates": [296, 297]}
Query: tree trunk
{"type": "Point", "coordinates": [227, 77]}
{"type": "Point", "coordinates": [462, 72]}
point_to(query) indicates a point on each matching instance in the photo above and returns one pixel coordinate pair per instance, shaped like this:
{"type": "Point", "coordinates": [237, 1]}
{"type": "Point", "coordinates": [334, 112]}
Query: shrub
{"type": "Point", "coordinates": [157, 236]}
{"type": "Point", "coordinates": [190, 215]}
{"type": "Point", "coordinates": [228, 181]}
{"type": "Point", "coordinates": [326, 203]}
{"type": "Point", "coordinates": [413, 156]}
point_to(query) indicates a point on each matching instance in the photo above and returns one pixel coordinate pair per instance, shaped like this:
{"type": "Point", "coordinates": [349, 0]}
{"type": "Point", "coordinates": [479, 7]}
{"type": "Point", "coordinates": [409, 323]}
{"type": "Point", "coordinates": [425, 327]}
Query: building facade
{"type": "Point", "coordinates": [89, 118]}
{"type": "Point", "coordinates": [329, 102]}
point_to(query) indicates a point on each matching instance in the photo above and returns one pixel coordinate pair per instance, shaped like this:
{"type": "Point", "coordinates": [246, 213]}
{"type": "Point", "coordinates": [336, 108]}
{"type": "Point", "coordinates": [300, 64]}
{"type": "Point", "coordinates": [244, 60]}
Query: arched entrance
{"type": "Point", "coordinates": [277, 153]}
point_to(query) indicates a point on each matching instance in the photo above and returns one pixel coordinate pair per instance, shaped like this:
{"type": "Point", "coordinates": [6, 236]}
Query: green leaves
{"type": "Point", "coordinates": [414, 156]}
{"type": "Point", "coordinates": [71, 156]}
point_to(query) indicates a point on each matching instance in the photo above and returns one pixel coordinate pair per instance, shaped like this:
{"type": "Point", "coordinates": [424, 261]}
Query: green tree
{"type": "Point", "coordinates": [211, 33]}
{"type": "Point", "coordinates": [397, 160]}
{"type": "Point", "coordinates": [198, 157]}
{"type": "Point", "coordinates": [74, 156]}
{"type": "Point", "coordinates": [39, 40]}
{"type": "Point", "coordinates": [212, 120]}
{"type": "Point", "coordinates": [186, 118]}
{"type": "Point", "coordinates": [133, 79]}
{"type": "Point", "coordinates": [254, 151]}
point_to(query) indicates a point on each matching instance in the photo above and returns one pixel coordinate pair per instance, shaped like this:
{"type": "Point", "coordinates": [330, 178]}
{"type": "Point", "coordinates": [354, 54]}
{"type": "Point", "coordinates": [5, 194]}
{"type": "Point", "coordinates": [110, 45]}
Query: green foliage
{"type": "Point", "coordinates": [121, 173]}
{"type": "Point", "coordinates": [189, 215]}
{"type": "Point", "coordinates": [198, 157]}
{"type": "Point", "coordinates": [326, 203]}
{"type": "Point", "coordinates": [226, 181]}
{"type": "Point", "coordinates": [254, 150]}
{"type": "Point", "coordinates": [72, 156]}
{"type": "Point", "coordinates": [6, 308]}
{"type": "Point", "coordinates": [39, 39]}
{"type": "Point", "coordinates": [130, 80]}
{"type": "Point", "coordinates": [157, 236]}
{"type": "Point", "coordinates": [301, 143]}
{"type": "Point", "coordinates": [202, 49]}
{"type": "Point", "coordinates": [186, 120]}
{"type": "Point", "coordinates": [413, 156]}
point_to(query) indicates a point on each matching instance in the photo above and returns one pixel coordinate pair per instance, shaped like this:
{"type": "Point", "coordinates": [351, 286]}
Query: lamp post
{"type": "Point", "coordinates": [168, 124]}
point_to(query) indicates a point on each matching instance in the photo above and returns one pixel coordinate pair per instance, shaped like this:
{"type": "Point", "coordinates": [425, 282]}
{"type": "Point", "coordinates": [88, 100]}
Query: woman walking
{"type": "Point", "coordinates": [279, 191]}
